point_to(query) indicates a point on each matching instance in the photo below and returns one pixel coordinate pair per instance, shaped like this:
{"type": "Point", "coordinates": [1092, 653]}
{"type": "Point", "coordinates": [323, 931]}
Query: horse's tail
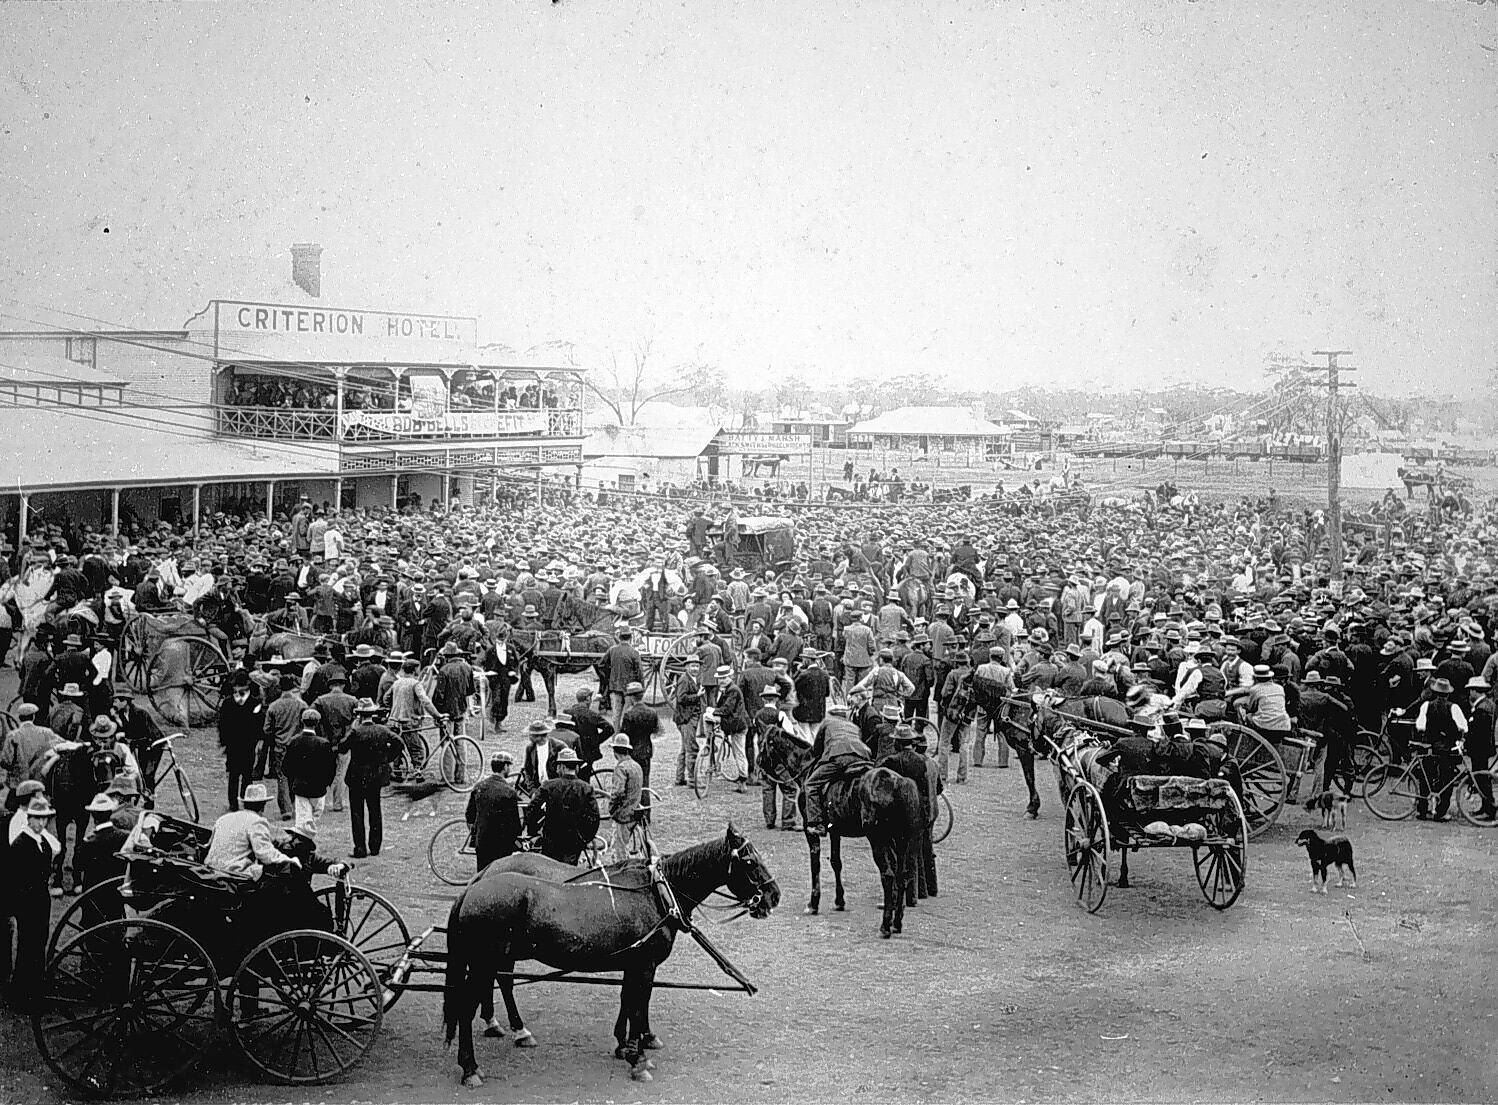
{"type": "Point", "coordinates": [455, 985]}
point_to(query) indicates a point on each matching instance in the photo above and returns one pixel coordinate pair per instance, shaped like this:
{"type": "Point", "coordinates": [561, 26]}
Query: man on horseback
{"type": "Point", "coordinates": [837, 752]}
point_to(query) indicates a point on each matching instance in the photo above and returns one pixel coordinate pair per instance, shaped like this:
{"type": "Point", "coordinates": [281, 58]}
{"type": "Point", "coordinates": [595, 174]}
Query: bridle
{"type": "Point", "coordinates": [760, 885]}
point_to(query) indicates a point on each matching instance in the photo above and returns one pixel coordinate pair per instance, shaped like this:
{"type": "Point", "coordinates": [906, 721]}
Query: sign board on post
{"type": "Point", "coordinates": [733, 442]}
{"type": "Point", "coordinates": [313, 332]}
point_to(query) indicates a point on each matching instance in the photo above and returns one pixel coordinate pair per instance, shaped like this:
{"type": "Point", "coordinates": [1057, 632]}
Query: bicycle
{"type": "Point", "coordinates": [451, 855]}
{"type": "Point", "coordinates": [1393, 791]}
{"type": "Point", "coordinates": [457, 760]}
{"type": "Point", "coordinates": [167, 767]}
{"type": "Point", "coordinates": [714, 750]}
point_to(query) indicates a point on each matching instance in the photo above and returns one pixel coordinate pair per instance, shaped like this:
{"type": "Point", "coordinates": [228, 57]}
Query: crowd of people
{"type": "Point", "coordinates": [468, 391]}
{"type": "Point", "coordinates": [888, 619]}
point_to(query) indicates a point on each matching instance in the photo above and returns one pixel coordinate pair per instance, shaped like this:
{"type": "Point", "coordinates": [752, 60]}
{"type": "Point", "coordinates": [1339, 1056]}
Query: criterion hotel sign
{"type": "Point", "coordinates": [302, 332]}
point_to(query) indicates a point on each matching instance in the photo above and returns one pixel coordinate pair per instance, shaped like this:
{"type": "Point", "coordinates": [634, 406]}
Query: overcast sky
{"type": "Point", "coordinates": [999, 193]}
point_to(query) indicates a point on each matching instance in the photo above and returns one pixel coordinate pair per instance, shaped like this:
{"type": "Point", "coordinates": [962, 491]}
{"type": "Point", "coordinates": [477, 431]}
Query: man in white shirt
{"type": "Point", "coordinates": [241, 843]}
{"type": "Point", "coordinates": [333, 543]}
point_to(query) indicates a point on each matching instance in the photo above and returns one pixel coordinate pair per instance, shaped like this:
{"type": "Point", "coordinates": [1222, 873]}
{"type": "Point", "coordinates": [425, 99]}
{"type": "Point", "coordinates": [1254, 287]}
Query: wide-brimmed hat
{"type": "Point", "coordinates": [306, 832]}
{"type": "Point", "coordinates": [1440, 685]}
{"type": "Point", "coordinates": [102, 803]}
{"type": "Point", "coordinates": [71, 690]}
{"type": "Point", "coordinates": [568, 756]}
{"type": "Point", "coordinates": [255, 793]}
{"type": "Point", "coordinates": [724, 671]}
{"type": "Point", "coordinates": [621, 741]}
{"type": "Point", "coordinates": [1312, 676]}
{"type": "Point", "coordinates": [40, 807]}
{"type": "Point", "coordinates": [103, 726]}
{"type": "Point", "coordinates": [1391, 647]}
{"type": "Point", "coordinates": [366, 706]}
{"type": "Point", "coordinates": [1262, 672]}
{"type": "Point", "coordinates": [538, 728]}
{"type": "Point", "coordinates": [634, 686]}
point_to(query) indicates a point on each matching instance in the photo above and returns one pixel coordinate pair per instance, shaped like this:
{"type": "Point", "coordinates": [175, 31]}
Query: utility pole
{"type": "Point", "coordinates": [1334, 461]}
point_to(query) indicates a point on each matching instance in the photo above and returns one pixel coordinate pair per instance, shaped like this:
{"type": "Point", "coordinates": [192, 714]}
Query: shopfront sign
{"type": "Point", "coordinates": [735, 442]}
{"type": "Point", "coordinates": [302, 332]}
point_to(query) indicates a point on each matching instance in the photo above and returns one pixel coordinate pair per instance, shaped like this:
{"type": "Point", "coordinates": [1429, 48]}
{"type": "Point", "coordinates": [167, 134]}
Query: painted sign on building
{"type": "Point", "coordinates": [731, 442]}
{"type": "Point", "coordinates": [357, 423]}
{"type": "Point", "coordinates": [315, 333]}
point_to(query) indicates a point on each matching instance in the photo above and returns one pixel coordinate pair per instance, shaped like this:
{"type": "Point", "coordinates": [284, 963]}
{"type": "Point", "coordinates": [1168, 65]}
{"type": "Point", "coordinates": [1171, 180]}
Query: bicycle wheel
{"type": "Point", "coordinates": [1391, 792]}
{"type": "Point", "coordinates": [185, 792]}
{"type": "Point", "coordinates": [602, 782]}
{"type": "Point", "coordinates": [702, 769]}
{"type": "Point", "coordinates": [1470, 788]}
{"type": "Point", "coordinates": [411, 757]}
{"type": "Point", "coordinates": [461, 763]}
{"type": "Point", "coordinates": [450, 852]}
{"type": "Point", "coordinates": [1369, 749]}
{"type": "Point", "coordinates": [941, 824]}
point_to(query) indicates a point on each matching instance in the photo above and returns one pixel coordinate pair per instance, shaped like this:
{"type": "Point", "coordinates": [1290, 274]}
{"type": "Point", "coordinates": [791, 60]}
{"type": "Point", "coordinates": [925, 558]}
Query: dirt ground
{"type": "Point", "coordinates": [1295, 484]}
{"type": "Point", "coordinates": [999, 989]}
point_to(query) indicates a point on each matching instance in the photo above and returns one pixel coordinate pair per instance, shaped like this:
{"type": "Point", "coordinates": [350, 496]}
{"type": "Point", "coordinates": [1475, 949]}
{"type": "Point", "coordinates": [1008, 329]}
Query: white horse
{"type": "Point", "coordinates": [31, 596]}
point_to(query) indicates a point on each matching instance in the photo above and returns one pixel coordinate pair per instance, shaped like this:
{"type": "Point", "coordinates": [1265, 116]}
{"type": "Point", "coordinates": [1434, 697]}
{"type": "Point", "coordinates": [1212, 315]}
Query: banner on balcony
{"type": "Point", "coordinates": [446, 424]}
{"type": "Point", "coordinates": [298, 332]}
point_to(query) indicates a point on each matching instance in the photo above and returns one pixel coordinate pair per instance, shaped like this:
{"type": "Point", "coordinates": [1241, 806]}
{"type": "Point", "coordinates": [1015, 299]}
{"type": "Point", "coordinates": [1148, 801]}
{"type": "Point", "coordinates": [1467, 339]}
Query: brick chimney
{"type": "Point", "coordinates": [306, 268]}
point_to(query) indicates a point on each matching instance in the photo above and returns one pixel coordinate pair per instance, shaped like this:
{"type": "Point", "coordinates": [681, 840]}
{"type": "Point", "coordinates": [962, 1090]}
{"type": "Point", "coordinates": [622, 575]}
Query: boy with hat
{"type": "Point", "coordinates": [564, 811]}
{"type": "Point", "coordinates": [624, 798]}
{"type": "Point", "coordinates": [308, 766]}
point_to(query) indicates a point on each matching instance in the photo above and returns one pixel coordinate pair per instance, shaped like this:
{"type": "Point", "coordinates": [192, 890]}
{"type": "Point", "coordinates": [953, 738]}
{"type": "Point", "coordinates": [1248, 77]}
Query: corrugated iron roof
{"type": "Point", "coordinates": [932, 422]}
{"type": "Point", "coordinates": [63, 447]}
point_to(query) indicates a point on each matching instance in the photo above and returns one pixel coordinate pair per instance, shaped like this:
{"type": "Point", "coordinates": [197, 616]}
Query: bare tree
{"type": "Point", "coordinates": [626, 389]}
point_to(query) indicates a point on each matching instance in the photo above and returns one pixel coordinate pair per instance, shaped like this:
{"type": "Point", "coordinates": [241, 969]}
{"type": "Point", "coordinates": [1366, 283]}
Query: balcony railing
{"type": "Point", "coordinates": [280, 423]}
{"type": "Point", "coordinates": [355, 426]}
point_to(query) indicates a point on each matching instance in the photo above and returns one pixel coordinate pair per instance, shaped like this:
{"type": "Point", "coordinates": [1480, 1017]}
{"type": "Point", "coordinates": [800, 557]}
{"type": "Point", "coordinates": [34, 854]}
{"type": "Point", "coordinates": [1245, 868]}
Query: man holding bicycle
{"type": "Point", "coordinates": [1442, 723]}
{"type": "Point", "coordinates": [139, 734]}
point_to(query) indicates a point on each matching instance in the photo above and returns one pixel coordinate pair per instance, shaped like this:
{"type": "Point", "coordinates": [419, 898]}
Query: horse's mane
{"type": "Point", "coordinates": [695, 861]}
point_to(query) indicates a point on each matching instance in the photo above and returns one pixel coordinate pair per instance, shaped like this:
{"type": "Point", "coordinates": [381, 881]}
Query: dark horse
{"type": "Point", "coordinates": [574, 640]}
{"type": "Point", "coordinates": [877, 803]}
{"type": "Point", "coordinates": [74, 778]}
{"type": "Point", "coordinates": [607, 919]}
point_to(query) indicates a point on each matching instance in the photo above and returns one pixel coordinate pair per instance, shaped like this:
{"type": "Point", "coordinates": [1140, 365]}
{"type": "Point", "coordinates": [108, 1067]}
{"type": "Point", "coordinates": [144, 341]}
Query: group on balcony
{"type": "Point", "coordinates": [469, 391]}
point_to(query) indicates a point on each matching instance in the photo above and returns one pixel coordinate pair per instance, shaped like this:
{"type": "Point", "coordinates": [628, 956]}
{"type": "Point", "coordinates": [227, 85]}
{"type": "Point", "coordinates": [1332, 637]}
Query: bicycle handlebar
{"type": "Point", "coordinates": [166, 740]}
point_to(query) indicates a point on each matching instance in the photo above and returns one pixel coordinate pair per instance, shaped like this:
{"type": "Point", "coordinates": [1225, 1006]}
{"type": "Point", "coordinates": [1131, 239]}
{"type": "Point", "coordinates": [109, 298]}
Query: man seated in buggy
{"type": "Point", "coordinates": [1170, 749]}
{"type": "Point", "coordinates": [270, 880]}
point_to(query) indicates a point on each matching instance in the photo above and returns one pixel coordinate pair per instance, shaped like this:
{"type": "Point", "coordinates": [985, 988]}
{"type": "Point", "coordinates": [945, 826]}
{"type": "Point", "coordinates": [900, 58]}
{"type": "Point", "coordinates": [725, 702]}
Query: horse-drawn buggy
{"type": "Point", "coordinates": [1110, 810]}
{"type": "Point", "coordinates": [146, 970]}
{"type": "Point", "coordinates": [174, 658]}
{"type": "Point", "coordinates": [765, 543]}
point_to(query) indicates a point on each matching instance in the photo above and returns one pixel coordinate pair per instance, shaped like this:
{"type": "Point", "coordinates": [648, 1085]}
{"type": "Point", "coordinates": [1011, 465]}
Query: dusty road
{"type": "Point", "coordinates": [1000, 989]}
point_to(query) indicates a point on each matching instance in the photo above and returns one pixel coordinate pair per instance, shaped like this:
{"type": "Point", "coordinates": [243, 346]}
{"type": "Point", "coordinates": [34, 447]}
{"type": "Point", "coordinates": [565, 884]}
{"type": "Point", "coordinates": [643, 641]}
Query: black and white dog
{"type": "Point", "coordinates": [1325, 852]}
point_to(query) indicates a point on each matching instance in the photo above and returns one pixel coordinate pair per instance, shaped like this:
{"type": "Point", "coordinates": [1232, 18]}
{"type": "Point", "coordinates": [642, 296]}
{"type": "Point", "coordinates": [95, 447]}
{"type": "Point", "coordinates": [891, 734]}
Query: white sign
{"type": "Point", "coordinates": [731, 442]}
{"type": "Point", "coordinates": [428, 396]}
{"type": "Point", "coordinates": [301, 332]}
{"type": "Point", "coordinates": [448, 424]}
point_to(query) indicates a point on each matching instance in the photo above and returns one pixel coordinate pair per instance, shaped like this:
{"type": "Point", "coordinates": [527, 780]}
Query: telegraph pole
{"type": "Point", "coordinates": [1334, 461]}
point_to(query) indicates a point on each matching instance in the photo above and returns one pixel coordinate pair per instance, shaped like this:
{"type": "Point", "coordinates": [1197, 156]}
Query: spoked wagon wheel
{"type": "Point", "coordinates": [450, 853]}
{"type": "Point", "coordinates": [99, 903]}
{"type": "Point", "coordinates": [660, 687]}
{"type": "Point", "coordinates": [127, 1007]}
{"type": "Point", "coordinates": [307, 1006]}
{"type": "Point", "coordinates": [1265, 781]}
{"type": "Point", "coordinates": [1221, 866]}
{"type": "Point", "coordinates": [135, 652]}
{"type": "Point", "coordinates": [185, 678]}
{"type": "Point", "coordinates": [370, 923]}
{"type": "Point", "coordinates": [460, 763]}
{"type": "Point", "coordinates": [1087, 846]}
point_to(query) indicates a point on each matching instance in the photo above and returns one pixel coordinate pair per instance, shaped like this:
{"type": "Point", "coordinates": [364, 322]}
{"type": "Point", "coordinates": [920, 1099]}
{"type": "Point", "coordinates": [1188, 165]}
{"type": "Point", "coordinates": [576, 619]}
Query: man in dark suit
{"type": "Point", "coordinates": [493, 814]}
{"type": "Point", "coordinates": [540, 762]}
{"type": "Point", "coordinates": [564, 812]}
{"type": "Point", "coordinates": [593, 729]}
